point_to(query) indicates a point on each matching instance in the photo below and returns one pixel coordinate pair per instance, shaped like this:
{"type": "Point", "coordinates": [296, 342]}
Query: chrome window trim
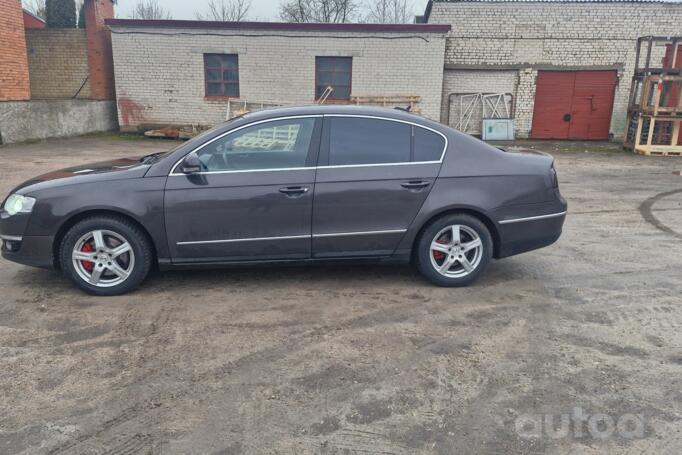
{"type": "Point", "coordinates": [374, 117]}
{"type": "Point", "coordinates": [292, 237]}
{"type": "Point", "coordinates": [533, 218]}
{"type": "Point", "coordinates": [344, 234]}
{"type": "Point", "coordinates": [276, 119]}
{"type": "Point", "coordinates": [337, 166]}
{"type": "Point", "coordinates": [407, 122]}
{"type": "Point", "coordinates": [11, 238]}
{"type": "Point", "coordinates": [238, 171]}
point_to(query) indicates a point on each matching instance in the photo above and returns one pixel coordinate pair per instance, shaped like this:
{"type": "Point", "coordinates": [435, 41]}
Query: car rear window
{"type": "Point", "coordinates": [368, 141]}
{"type": "Point", "coordinates": [428, 146]}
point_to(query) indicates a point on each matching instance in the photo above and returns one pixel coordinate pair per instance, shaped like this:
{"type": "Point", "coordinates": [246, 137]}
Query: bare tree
{"type": "Point", "coordinates": [36, 7]}
{"type": "Point", "coordinates": [80, 7]}
{"type": "Point", "coordinates": [150, 9]}
{"type": "Point", "coordinates": [318, 10]}
{"type": "Point", "coordinates": [225, 11]}
{"type": "Point", "coordinates": [389, 11]}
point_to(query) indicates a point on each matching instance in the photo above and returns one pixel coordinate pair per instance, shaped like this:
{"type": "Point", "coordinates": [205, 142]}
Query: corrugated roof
{"type": "Point", "coordinates": [427, 12]}
{"type": "Point", "coordinates": [555, 1]}
{"type": "Point", "coordinates": [282, 26]}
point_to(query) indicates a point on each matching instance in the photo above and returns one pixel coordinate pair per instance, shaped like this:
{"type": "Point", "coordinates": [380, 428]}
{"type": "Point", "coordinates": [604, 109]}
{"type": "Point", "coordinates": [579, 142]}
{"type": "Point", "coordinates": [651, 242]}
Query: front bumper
{"type": "Point", "coordinates": [35, 251]}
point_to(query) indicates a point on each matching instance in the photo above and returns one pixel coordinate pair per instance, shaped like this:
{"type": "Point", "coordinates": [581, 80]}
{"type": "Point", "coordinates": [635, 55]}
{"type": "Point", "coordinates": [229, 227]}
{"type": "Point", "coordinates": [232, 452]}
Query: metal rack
{"type": "Point", "coordinates": [655, 104]}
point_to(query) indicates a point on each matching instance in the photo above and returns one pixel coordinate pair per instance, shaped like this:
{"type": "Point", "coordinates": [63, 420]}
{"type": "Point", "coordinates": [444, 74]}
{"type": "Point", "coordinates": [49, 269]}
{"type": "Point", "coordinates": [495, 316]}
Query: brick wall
{"type": "Point", "coordinates": [14, 83]}
{"type": "Point", "coordinates": [100, 60]}
{"type": "Point", "coordinates": [58, 63]}
{"type": "Point", "coordinates": [528, 36]}
{"type": "Point", "coordinates": [160, 78]}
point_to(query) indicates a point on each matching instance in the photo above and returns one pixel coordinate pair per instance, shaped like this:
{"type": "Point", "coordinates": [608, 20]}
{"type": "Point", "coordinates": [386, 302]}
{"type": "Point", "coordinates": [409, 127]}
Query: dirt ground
{"type": "Point", "coordinates": [367, 359]}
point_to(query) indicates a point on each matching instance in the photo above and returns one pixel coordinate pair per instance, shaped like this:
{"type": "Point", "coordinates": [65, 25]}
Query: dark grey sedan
{"type": "Point", "coordinates": [301, 184]}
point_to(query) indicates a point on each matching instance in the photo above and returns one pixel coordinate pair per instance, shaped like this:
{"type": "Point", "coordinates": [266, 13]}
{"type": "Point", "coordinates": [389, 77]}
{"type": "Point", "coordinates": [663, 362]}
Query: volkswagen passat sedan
{"type": "Point", "coordinates": [301, 184]}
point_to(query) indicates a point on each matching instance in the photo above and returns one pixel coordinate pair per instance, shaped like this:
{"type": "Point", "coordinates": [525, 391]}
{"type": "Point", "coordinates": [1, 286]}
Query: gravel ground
{"type": "Point", "coordinates": [583, 336]}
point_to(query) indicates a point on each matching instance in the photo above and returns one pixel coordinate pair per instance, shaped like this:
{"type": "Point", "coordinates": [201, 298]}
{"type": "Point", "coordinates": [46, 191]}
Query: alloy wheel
{"type": "Point", "coordinates": [103, 258]}
{"type": "Point", "coordinates": [456, 251]}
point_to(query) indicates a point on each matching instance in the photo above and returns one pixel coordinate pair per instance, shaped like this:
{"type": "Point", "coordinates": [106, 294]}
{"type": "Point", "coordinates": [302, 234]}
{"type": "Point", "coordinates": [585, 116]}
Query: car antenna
{"type": "Point", "coordinates": [404, 109]}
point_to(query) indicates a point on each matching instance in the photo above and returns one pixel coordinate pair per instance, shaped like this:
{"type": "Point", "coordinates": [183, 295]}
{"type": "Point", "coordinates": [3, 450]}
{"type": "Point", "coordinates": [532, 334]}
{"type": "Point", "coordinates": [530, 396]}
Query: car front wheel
{"type": "Point", "coordinates": [105, 255]}
{"type": "Point", "coordinates": [454, 250]}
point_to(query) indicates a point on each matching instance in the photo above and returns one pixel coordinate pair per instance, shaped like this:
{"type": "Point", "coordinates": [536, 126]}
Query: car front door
{"type": "Point", "coordinates": [374, 175]}
{"type": "Point", "coordinates": [252, 199]}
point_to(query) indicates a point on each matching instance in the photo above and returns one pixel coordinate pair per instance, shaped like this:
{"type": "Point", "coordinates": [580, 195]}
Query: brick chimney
{"type": "Point", "coordinates": [100, 58]}
{"type": "Point", "coordinates": [14, 82]}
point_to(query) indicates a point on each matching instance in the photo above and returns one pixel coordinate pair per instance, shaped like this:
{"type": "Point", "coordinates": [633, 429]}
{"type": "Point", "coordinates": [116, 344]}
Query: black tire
{"type": "Point", "coordinates": [139, 245]}
{"type": "Point", "coordinates": [423, 251]}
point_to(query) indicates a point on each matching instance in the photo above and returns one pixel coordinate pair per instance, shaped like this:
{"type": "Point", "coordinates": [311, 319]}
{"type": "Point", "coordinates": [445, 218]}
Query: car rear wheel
{"type": "Point", "coordinates": [454, 250]}
{"type": "Point", "coordinates": [105, 255]}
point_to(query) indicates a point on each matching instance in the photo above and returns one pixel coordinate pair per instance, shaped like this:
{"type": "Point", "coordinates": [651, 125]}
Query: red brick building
{"type": "Point", "coordinates": [31, 21]}
{"type": "Point", "coordinates": [14, 82]}
{"type": "Point", "coordinates": [55, 81]}
{"type": "Point", "coordinates": [100, 59]}
{"type": "Point", "coordinates": [15, 66]}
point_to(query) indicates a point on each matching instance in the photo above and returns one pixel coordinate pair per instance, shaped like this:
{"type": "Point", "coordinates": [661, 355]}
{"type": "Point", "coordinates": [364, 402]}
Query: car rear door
{"type": "Point", "coordinates": [252, 201]}
{"type": "Point", "coordinates": [373, 176]}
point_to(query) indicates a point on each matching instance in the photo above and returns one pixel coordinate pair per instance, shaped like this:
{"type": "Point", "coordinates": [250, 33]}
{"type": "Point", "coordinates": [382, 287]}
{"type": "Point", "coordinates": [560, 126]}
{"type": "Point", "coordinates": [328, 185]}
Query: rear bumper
{"type": "Point", "coordinates": [531, 231]}
{"type": "Point", "coordinates": [35, 251]}
{"type": "Point", "coordinates": [531, 236]}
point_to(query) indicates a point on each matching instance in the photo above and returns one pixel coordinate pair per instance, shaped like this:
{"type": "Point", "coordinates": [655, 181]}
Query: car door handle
{"type": "Point", "coordinates": [294, 190]}
{"type": "Point", "coordinates": [415, 184]}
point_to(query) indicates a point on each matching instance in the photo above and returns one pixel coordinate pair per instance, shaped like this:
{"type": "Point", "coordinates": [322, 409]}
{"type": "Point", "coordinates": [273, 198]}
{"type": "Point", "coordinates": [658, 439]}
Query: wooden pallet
{"type": "Point", "coordinates": [659, 152]}
{"type": "Point", "coordinates": [389, 101]}
{"type": "Point", "coordinates": [649, 146]}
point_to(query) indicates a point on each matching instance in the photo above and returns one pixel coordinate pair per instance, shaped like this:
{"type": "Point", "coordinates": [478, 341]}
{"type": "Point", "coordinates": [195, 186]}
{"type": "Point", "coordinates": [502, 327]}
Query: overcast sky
{"type": "Point", "coordinates": [260, 9]}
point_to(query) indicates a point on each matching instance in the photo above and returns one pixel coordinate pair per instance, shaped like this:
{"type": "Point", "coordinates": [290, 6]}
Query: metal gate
{"type": "Point", "coordinates": [573, 104]}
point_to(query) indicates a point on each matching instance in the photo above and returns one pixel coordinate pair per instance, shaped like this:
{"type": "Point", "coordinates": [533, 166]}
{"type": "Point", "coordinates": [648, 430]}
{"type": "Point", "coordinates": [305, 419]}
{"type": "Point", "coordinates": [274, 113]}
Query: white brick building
{"type": "Point", "coordinates": [182, 72]}
{"type": "Point", "coordinates": [503, 46]}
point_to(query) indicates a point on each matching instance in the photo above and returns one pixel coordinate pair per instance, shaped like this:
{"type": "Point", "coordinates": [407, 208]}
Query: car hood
{"type": "Point", "coordinates": [123, 168]}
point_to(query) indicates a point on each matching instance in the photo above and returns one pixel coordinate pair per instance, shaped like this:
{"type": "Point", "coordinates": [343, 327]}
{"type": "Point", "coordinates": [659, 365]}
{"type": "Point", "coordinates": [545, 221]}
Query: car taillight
{"type": "Point", "coordinates": [553, 176]}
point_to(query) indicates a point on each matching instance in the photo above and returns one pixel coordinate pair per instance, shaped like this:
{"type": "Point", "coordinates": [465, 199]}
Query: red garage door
{"type": "Point", "coordinates": [573, 104]}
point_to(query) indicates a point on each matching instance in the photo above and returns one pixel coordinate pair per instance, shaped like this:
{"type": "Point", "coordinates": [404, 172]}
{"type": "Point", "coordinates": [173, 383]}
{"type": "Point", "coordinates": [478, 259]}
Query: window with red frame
{"type": "Point", "coordinates": [334, 72]}
{"type": "Point", "coordinates": [221, 72]}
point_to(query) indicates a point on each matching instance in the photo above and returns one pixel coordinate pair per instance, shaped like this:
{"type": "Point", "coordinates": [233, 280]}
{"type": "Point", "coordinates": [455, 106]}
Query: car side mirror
{"type": "Point", "coordinates": [191, 164]}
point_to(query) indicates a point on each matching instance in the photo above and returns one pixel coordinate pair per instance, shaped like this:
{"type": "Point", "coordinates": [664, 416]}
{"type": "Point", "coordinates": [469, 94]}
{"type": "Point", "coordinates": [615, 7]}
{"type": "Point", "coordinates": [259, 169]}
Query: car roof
{"type": "Point", "coordinates": [330, 109]}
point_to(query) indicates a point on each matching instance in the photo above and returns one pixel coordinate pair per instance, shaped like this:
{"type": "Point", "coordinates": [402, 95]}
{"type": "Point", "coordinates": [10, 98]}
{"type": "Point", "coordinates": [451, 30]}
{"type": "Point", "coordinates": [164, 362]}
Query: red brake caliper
{"type": "Point", "coordinates": [87, 265]}
{"type": "Point", "coordinates": [438, 255]}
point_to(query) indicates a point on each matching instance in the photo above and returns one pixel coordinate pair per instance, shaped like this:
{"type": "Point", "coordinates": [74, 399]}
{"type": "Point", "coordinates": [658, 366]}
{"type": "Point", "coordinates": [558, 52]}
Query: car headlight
{"type": "Point", "coordinates": [17, 203]}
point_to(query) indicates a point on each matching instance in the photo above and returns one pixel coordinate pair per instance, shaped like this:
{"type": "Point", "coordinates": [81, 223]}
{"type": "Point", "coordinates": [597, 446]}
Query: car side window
{"type": "Point", "coordinates": [428, 146]}
{"type": "Point", "coordinates": [357, 140]}
{"type": "Point", "coordinates": [277, 144]}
